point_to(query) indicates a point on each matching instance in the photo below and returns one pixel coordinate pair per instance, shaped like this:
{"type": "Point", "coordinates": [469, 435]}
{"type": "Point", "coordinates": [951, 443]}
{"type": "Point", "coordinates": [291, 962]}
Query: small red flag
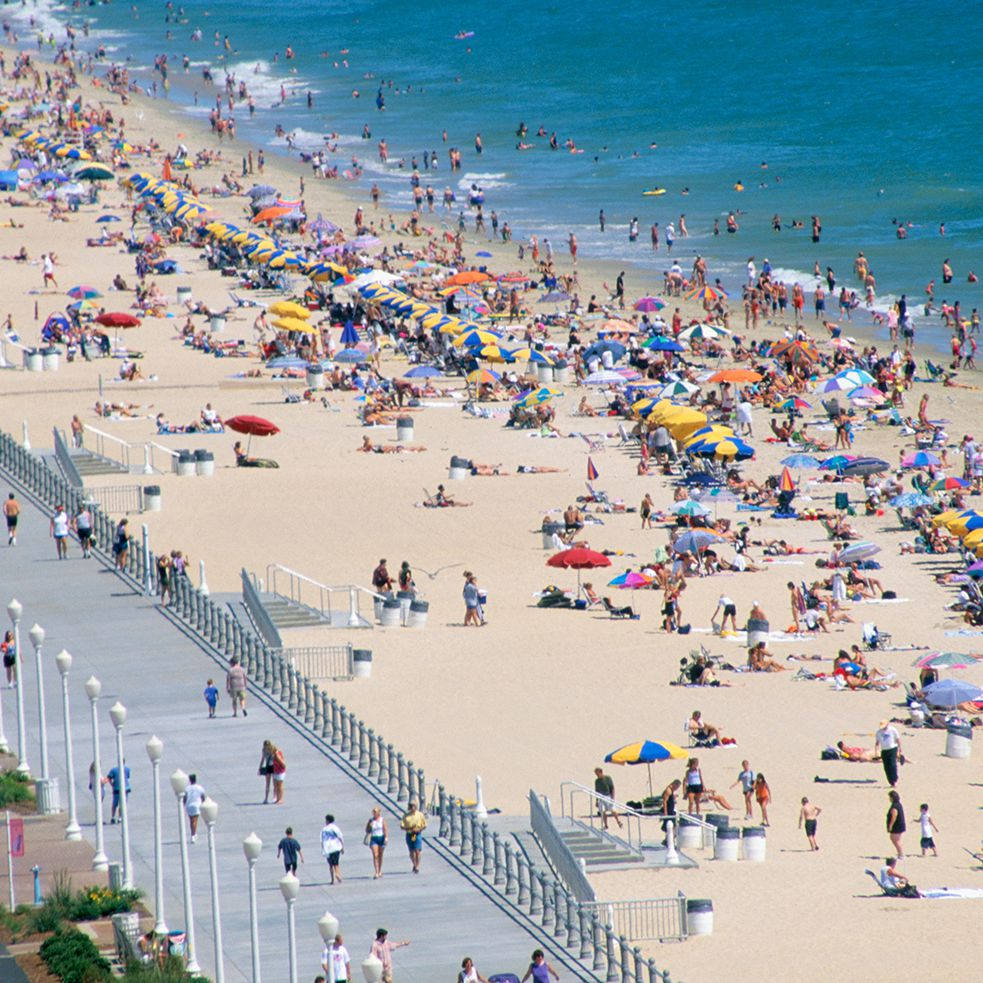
{"type": "Point", "coordinates": [592, 474]}
{"type": "Point", "coordinates": [17, 837]}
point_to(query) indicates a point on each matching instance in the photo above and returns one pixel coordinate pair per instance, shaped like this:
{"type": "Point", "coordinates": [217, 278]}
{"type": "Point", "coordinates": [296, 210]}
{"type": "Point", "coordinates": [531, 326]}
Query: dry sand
{"type": "Point", "coordinates": [538, 696]}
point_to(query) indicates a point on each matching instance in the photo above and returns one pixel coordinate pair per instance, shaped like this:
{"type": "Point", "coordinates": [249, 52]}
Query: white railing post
{"type": "Point", "coordinates": [26, 441]}
{"type": "Point", "coordinates": [148, 467]}
{"type": "Point", "coordinates": [479, 807]}
{"type": "Point", "coordinates": [352, 608]}
{"type": "Point", "coordinates": [672, 857]}
{"type": "Point", "coordinates": [202, 583]}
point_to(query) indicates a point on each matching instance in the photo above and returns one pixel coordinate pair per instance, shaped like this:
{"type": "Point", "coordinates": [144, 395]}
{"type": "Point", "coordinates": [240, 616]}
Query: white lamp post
{"type": "Point", "coordinates": [92, 689]}
{"type": "Point", "coordinates": [252, 846]}
{"type": "Point", "coordinates": [290, 888]}
{"type": "Point", "coordinates": [209, 812]}
{"type": "Point", "coordinates": [155, 750]}
{"type": "Point", "coordinates": [179, 782]}
{"type": "Point", "coordinates": [328, 926]}
{"type": "Point", "coordinates": [117, 713]}
{"type": "Point", "coordinates": [14, 611]}
{"type": "Point", "coordinates": [37, 640]}
{"type": "Point", "coordinates": [64, 662]}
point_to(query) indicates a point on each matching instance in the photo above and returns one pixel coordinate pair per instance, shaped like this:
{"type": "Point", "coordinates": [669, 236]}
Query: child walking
{"type": "Point", "coordinates": [928, 827]}
{"type": "Point", "coordinates": [211, 697]}
{"type": "Point", "coordinates": [763, 794]}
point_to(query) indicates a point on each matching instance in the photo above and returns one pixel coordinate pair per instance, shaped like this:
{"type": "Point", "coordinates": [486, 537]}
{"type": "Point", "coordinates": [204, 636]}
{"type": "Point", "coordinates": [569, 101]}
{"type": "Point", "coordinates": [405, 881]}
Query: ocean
{"type": "Point", "coordinates": [865, 116]}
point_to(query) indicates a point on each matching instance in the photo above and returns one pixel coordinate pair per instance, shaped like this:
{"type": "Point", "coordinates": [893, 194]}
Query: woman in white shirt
{"type": "Point", "coordinates": [193, 798]}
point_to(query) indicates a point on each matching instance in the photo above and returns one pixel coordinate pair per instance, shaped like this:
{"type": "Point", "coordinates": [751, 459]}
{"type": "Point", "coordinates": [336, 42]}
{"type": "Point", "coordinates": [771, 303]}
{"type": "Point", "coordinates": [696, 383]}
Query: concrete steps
{"type": "Point", "coordinates": [284, 614]}
{"type": "Point", "coordinates": [94, 464]}
{"type": "Point", "coordinates": [596, 850]}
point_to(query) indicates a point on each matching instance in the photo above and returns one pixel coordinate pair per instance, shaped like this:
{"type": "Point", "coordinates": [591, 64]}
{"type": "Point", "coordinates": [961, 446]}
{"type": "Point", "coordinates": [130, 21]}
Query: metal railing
{"type": "Point", "coordinates": [260, 617]}
{"type": "Point", "coordinates": [556, 850]}
{"type": "Point", "coordinates": [107, 442]}
{"type": "Point", "coordinates": [298, 588]}
{"type": "Point", "coordinates": [64, 458]}
{"type": "Point", "coordinates": [117, 498]}
{"type": "Point", "coordinates": [322, 661]}
{"type": "Point", "coordinates": [151, 449]}
{"type": "Point", "coordinates": [568, 927]}
{"type": "Point", "coordinates": [649, 919]}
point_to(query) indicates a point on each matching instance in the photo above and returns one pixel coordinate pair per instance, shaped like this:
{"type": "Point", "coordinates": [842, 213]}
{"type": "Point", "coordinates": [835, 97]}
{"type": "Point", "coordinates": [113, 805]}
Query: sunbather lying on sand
{"type": "Point", "coordinates": [369, 448]}
{"type": "Point", "coordinates": [858, 753]}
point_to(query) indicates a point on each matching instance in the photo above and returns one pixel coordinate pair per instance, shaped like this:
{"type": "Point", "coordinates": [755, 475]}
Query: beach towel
{"type": "Point", "coordinates": [935, 893]}
{"type": "Point", "coordinates": [744, 507]}
{"type": "Point", "coordinates": [886, 600]}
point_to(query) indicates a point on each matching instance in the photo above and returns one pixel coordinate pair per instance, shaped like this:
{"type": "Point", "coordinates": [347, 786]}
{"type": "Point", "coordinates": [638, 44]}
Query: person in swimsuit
{"type": "Point", "coordinates": [763, 794]}
{"type": "Point", "coordinates": [809, 817]}
{"type": "Point", "coordinates": [896, 825]}
{"type": "Point", "coordinates": [377, 836]}
{"type": "Point", "coordinates": [11, 510]}
{"type": "Point", "coordinates": [694, 785]}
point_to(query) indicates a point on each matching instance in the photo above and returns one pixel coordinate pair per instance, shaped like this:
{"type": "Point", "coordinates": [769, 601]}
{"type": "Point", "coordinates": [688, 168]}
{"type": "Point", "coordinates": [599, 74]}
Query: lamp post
{"type": "Point", "coordinates": [290, 888]}
{"type": "Point", "coordinates": [328, 926]}
{"type": "Point", "coordinates": [209, 812]}
{"type": "Point", "coordinates": [252, 846]}
{"type": "Point", "coordinates": [117, 713]}
{"type": "Point", "coordinates": [14, 611]}
{"type": "Point", "coordinates": [155, 750]}
{"type": "Point", "coordinates": [64, 662]}
{"type": "Point", "coordinates": [37, 640]}
{"type": "Point", "coordinates": [92, 690]}
{"type": "Point", "coordinates": [179, 782]}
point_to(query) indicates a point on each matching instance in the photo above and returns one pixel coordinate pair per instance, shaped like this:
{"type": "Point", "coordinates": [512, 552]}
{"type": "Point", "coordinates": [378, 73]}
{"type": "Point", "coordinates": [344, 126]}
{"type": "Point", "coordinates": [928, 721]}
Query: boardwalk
{"type": "Point", "coordinates": [159, 673]}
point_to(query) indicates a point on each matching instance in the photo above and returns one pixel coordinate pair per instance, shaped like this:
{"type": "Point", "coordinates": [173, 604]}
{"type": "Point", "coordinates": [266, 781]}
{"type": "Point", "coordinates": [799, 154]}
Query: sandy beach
{"type": "Point", "coordinates": [537, 697]}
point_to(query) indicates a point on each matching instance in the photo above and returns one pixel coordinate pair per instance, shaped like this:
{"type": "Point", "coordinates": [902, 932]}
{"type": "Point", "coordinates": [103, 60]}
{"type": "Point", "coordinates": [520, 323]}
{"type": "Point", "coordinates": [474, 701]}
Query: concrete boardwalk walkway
{"type": "Point", "coordinates": [158, 672]}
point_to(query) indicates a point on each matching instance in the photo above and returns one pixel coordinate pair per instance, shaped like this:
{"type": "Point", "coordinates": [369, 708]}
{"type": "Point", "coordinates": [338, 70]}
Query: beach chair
{"type": "Point", "coordinates": [936, 373]}
{"type": "Point", "coordinates": [626, 437]}
{"type": "Point", "coordinates": [907, 892]}
{"type": "Point", "coordinates": [873, 638]}
{"type": "Point", "coordinates": [627, 611]}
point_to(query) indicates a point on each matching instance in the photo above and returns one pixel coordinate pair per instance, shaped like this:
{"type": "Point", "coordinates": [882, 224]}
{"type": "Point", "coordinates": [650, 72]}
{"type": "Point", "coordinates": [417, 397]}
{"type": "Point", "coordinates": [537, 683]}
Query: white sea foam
{"type": "Point", "coordinates": [485, 181]}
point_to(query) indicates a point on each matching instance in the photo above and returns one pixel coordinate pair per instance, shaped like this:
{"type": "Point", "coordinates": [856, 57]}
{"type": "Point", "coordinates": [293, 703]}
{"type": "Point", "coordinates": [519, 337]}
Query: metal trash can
{"type": "Point", "coordinates": [417, 617]}
{"type": "Point", "coordinates": [151, 498]}
{"type": "Point", "coordinates": [49, 359]}
{"type": "Point", "coordinates": [958, 739]}
{"type": "Point", "coordinates": [561, 373]}
{"type": "Point", "coordinates": [404, 428]}
{"type": "Point", "coordinates": [754, 843]}
{"type": "Point", "coordinates": [549, 530]}
{"type": "Point", "coordinates": [545, 373]}
{"type": "Point", "coordinates": [183, 294]}
{"type": "Point", "coordinates": [217, 324]}
{"type": "Point", "coordinates": [115, 876]}
{"type": "Point", "coordinates": [46, 794]}
{"type": "Point", "coordinates": [204, 463]}
{"type": "Point", "coordinates": [362, 663]}
{"type": "Point", "coordinates": [392, 612]}
{"type": "Point", "coordinates": [727, 845]}
{"type": "Point", "coordinates": [459, 469]}
{"type": "Point", "coordinates": [689, 836]}
{"type": "Point", "coordinates": [377, 602]}
{"type": "Point", "coordinates": [315, 377]}
{"type": "Point", "coordinates": [699, 916]}
{"type": "Point", "coordinates": [185, 465]}
{"type": "Point", "coordinates": [757, 631]}
{"type": "Point", "coordinates": [33, 361]}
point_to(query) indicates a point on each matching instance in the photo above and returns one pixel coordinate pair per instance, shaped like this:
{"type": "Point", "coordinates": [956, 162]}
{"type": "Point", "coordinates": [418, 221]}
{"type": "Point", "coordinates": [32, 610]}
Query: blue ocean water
{"type": "Point", "coordinates": [865, 116]}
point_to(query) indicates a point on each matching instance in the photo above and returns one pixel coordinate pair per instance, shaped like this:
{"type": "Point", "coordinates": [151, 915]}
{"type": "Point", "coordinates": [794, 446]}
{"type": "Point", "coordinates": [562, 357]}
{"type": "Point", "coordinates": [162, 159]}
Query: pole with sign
{"type": "Point", "coordinates": [15, 848]}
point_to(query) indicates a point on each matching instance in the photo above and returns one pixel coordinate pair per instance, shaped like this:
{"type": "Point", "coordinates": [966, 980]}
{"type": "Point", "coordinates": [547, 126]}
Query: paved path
{"type": "Point", "coordinates": [159, 673]}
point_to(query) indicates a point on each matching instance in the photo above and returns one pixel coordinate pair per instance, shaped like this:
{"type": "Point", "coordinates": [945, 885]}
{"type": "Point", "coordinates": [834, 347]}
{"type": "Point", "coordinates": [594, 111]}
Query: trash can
{"type": "Point", "coordinates": [460, 468]}
{"type": "Point", "coordinates": [593, 364]}
{"type": "Point", "coordinates": [151, 498]}
{"type": "Point", "coordinates": [699, 916]}
{"type": "Point", "coordinates": [33, 360]}
{"type": "Point", "coordinates": [561, 373]}
{"type": "Point", "coordinates": [841, 501]}
{"type": "Point", "coordinates": [689, 835]}
{"type": "Point", "coordinates": [727, 845]}
{"type": "Point", "coordinates": [178, 943]}
{"type": "Point", "coordinates": [391, 613]}
{"type": "Point", "coordinates": [183, 294]}
{"type": "Point", "coordinates": [204, 463]}
{"type": "Point", "coordinates": [757, 631]}
{"type": "Point", "coordinates": [958, 739]}
{"type": "Point", "coordinates": [128, 923]}
{"type": "Point", "coordinates": [46, 794]}
{"type": "Point", "coordinates": [405, 598]}
{"type": "Point", "coordinates": [549, 530]}
{"type": "Point", "coordinates": [607, 359]}
{"type": "Point", "coordinates": [754, 843]}
{"type": "Point", "coordinates": [377, 602]}
{"type": "Point", "coordinates": [315, 377]}
{"type": "Point", "coordinates": [404, 428]}
{"type": "Point", "coordinates": [115, 876]}
{"type": "Point", "coordinates": [362, 663]}
{"type": "Point", "coordinates": [717, 819]}
{"type": "Point", "coordinates": [544, 373]}
{"type": "Point", "coordinates": [49, 359]}
{"type": "Point", "coordinates": [185, 464]}
{"type": "Point", "coordinates": [217, 324]}
{"type": "Point", "coordinates": [417, 618]}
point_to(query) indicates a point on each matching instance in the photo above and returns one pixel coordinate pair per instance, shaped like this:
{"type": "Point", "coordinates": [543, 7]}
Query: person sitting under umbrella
{"type": "Point", "coordinates": [244, 461]}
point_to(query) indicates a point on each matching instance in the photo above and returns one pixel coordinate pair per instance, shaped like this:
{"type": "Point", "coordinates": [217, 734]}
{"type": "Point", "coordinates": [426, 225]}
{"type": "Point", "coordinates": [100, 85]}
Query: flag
{"type": "Point", "coordinates": [16, 837]}
{"type": "Point", "coordinates": [592, 474]}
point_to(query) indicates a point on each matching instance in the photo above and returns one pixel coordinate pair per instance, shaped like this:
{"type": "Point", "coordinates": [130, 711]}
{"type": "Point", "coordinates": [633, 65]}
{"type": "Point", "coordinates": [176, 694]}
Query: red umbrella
{"type": "Point", "coordinates": [254, 426]}
{"type": "Point", "coordinates": [578, 558]}
{"type": "Point", "coordinates": [118, 319]}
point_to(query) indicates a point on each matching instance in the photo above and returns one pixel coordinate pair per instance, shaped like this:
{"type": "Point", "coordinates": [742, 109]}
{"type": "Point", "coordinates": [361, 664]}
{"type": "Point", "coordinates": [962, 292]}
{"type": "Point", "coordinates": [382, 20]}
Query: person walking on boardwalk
{"type": "Point", "coordinates": [289, 849]}
{"type": "Point", "coordinates": [235, 686]}
{"type": "Point", "coordinates": [382, 949]}
{"type": "Point", "coordinates": [11, 511]}
{"type": "Point", "coordinates": [413, 824]}
{"type": "Point", "coordinates": [540, 970]}
{"type": "Point", "coordinates": [59, 531]}
{"type": "Point", "coordinates": [336, 962]}
{"type": "Point", "coordinates": [332, 847]}
{"type": "Point", "coordinates": [376, 838]}
{"type": "Point", "coordinates": [193, 799]}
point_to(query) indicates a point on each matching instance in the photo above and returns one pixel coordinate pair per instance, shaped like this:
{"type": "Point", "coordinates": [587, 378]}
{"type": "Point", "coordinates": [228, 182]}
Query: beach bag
{"type": "Point", "coordinates": [889, 595]}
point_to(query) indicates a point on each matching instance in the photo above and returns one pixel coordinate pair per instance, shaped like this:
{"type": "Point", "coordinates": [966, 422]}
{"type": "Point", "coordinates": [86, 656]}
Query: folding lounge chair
{"type": "Point", "coordinates": [623, 612]}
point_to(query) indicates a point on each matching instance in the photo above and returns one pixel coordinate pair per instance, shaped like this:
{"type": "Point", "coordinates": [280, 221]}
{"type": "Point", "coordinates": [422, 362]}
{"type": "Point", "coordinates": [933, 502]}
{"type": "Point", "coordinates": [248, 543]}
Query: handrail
{"type": "Point", "coordinates": [101, 438]}
{"type": "Point", "coordinates": [151, 446]}
{"type": "Point", "coordinates": [261, 618]}
{"type": "Point", "coordinates": [325, 592]}
{"type": "Point", "coordinates": [560, 855]}
{"type": "Point", "coordinates": [64, 458]}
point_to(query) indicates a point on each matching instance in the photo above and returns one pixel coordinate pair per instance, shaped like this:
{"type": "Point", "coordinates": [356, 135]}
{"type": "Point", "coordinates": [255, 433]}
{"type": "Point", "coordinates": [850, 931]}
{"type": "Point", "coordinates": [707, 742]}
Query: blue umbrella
{"type": "Point", "coordinates": [689, 507]}
{"type": "Point", "coordinates": [864, 466]}
{"type": "Point", "coordinates": [800, 461]}
{"type": "Point", "coordinates": [287, 362]}
{"type": "Point", "coordinates": [108, 218]}
{"type": "Point", "coordinates": [695, 540]}
{"type": "Point", "coordinates": [349, 336]}
{"type": "Point", "coordinates": [422, 372]}
{"type": "Point", "coordinates": [910, 500]}
{"type": "Point", "coordinates": [483, 253]}
{"type": "Point", "coordinates": [660, 343]}
{"type": "Point", "coordinates": [921, 459]}
{"type": "Point", "coordinates": [350, 355]}
{"type": "Point", "coordinates": [616, 349]}
{"type": "Point", "coordinates": [700, 478]}
{"type": "Point", "coordinates": [951, 692]}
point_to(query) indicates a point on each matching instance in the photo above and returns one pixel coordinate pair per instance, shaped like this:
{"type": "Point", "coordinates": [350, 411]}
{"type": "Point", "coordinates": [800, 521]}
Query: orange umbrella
{"type": "Point", "coordinates": [465, 277]}
{"type": "Point", "coordinates": [272, 213]}
{"type": "Point", "coordinates": [786, 483]}
{"type": "Point", "coordinates": [736, 375]}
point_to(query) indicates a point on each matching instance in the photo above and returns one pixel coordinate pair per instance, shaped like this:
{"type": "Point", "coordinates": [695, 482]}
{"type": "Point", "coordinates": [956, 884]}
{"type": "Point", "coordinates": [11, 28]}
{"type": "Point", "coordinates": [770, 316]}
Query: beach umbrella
{"type": "Point", "coordinates": [857, 552]}
{"type": "Point", "coordinates": [736, 375]}
{"type": "Point", "coordinates": [283, 259]}
{"type": "Point", "coordinates": [950, 515]}
{"type": "Point", "coordinates": [349, 334]}
{"type": "Point", "coordinates": [351, 355]}
{"type": "Point", "coordinates": [716, 430]}
{"type": "Point", "coordinates": [645, 753]}
{"type": "Point", "coordinates": [422, 372]}
{"type": "Point", "coordinates": [707, 293]}
{"type": "Point", "coordinates": [836, 385]}
{"type": "Point", "coordinates": [695, 541]}
{"type": "Point", "coordinates": [84, 292]}
{"type": "Point", "coordinates": [972, 532]}
{"type": "Point", "coordinates": [93, 172]}
{"type": "Point", "coordinates": [252, 426]}
{"type": "Point", "coordinates": [494, 353]}
{"type": "Point", "coordinates": [800, 461]}
{"type": "Point", "coordinates": [951, 692]}
{"type": "Point", "coordinates": [689, 507]}
{"type": "Point", "coordinates": [259, 190]}
{"type": "Point", "coordinates": [920, 459]}
{"type": "Point", "coordinates": [976, 570]}
{"type": "Point", "coordinates": [866, 392]}
{"type": "Point", "coordinates": [678, 388]}
{"type": "Point", "coordinates": [476, 339]}
{"type": "Point", "coordinates": [325, 271]}
{"type": "Point", "coordinates": [554, 297]}
{"type": "Point", "coordinates": [287, 362]}
{"type": "Point", "coordinates": [483, 377]}
{"type": "Point", "coordinates": [118, 319]}
{"type": "Point", "coordinates": [293, 324]}
{"type": "Point", "coordinates": [660, 343]}
{"type": "Point", "coordinates": [785, 483]}
{"type": "Point", "coordinates": [722, 447]}
{"type": "Point", "coordinates": [837, 462]}
{"type": "Point", "coordinates": [946, 660]}
{"type": "Point", "coordinates": [649, 304]}
{"type": "Point", "coordinates": [794, 403]}
{"type": "Point", "coordinates": [949, 484]}
{"type": "Point", "coordinates": [536, 357]}
{"type": "Point", "coordinates": [365, 242]}
{"type": "Point", "coordinates": [288, 308]}
{"type": "Point", "coordinates": [864, 466]}
{"type": "Point", "coordinates": [857, 376]}
{"type": "Point", "coordinates": [605, 377]}
{"type": "Point", "coordinates": [536, 396]}
{"type": "Point", "coordinates": [630, 580]}
{"type": "Point", "coordinates": [271, 214]}
{"type": "Point", "coordinates": [910, 500]}
{"type": "Point", "coordinates": [465, 277]}
{"type": "Point", "coordinates": [578, 558]}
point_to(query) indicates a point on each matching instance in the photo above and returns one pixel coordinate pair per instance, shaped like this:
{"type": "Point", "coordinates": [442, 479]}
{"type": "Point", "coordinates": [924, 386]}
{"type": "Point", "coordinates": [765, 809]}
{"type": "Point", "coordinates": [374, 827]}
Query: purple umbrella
{"type": "Point", "coordinates": [649, 304]}
{"type": "Point", "coordinates": [365, 242]}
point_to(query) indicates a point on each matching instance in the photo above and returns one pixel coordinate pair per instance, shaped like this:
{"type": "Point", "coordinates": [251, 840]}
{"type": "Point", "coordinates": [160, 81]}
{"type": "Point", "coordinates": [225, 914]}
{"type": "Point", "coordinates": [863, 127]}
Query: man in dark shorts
{"type": "Point", "coordinates": [290, 850]}
{"type": "Point", "coordinates": [11, 510]}
{"type": "Point", "coordinates": [809, 817]}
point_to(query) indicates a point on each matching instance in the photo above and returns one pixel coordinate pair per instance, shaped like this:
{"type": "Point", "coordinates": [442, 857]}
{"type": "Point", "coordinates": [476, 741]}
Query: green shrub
{"type": "Point", "coordinates": [74, 958]}
{"type": "Point", "coordinates": [172, 971]}
{"type": "Point", "coordinates": [100, 902]}
{"type": "Point", "coordinates": [14, 787]}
